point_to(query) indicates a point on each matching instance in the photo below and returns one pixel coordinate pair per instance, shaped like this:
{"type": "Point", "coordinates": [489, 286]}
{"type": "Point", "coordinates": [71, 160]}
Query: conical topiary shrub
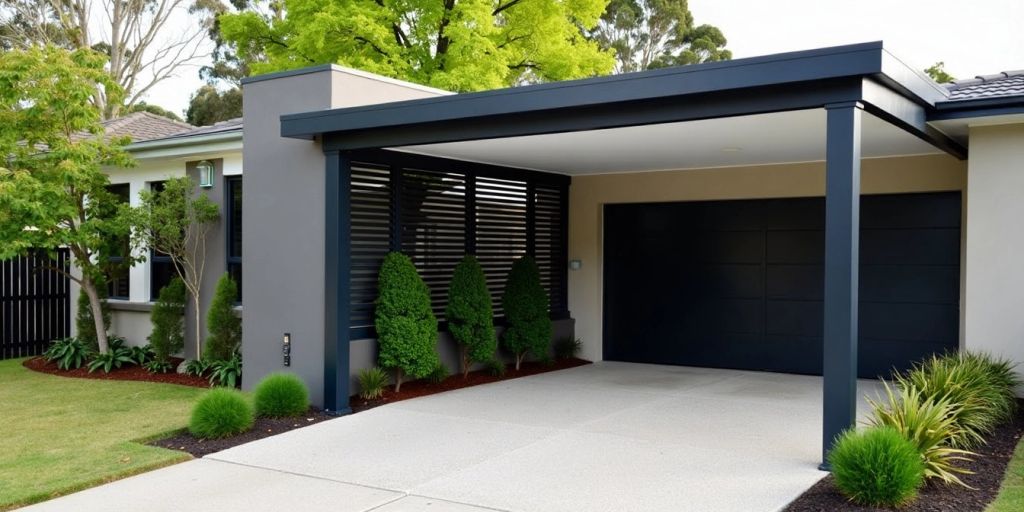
{"type": "Point", "coordinates": [470, 315]}
{"type": "Point", "coordinates": [224, 324]}
{"type": "Point", "coordinates": [168, 318]}
{"type": "Point", "coordinates": [406, 326]}
{"type": "Point", "coordinates": [526, 311]}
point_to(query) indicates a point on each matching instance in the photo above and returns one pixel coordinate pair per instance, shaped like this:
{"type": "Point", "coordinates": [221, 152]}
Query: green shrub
{"type": "Point", "coordinates": [141, 355]}
{"type": "Point", "coordinates": [439, 374]}
{"type": "Point", "coordinates": [929, 424]}
{"type": "Point", "coordinates": [158, 366]}
{"type": "Point", "coordinates": [168, 319]}
{"type": "Point", "coordinates": [1003, 376]}
{"type": "Point", "coordinates": [68, 353]}
{"type": "Point", "coordinates": [372, 382]}
{"type": "Point", "coordinates": [279, 395]}
{"type": "Point", "coordinates": [85, 326]}
{"type": "Point", "coordinates": [220, 413]}
{"type": "Point", "coordinates": [223, 322]}
{"type": "Point", "coordinates": [526, 311]}
{"type": "Point", "coordinates": [227, 373]}
{"type": "Point", "coordinates": [197, 367]}
{"type": "Point", "coordinates": [406, 326]}
{"type": "Point", "coordinates": [116, 357]}
{"type": "Point", "coordinates": [470, 315]}
{"type": "Point", "coordinates": [496, 367]}
{"type": "Point", "coordinates": [876, 467]}
{"type": "Point", "coordinates": [568, 347]}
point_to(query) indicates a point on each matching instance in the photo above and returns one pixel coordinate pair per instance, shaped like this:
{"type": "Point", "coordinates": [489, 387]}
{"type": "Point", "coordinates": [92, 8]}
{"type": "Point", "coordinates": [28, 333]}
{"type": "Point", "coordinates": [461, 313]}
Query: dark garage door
{"type": "Point", "coordinates": [739, 284]}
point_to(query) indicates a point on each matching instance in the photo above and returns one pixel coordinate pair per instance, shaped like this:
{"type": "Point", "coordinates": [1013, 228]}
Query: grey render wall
{"type": "Point", "coordinates": [216, 249]}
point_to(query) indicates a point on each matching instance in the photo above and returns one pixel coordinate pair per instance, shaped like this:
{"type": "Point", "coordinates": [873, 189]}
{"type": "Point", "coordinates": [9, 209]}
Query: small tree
{"type": "Point", "coordinates": [85, 324]}
{"type": "Point", "coordinates": [406, 326]}
{"type": "Point", "coordinates": [168, 317]}
{"type": "Point", "coordinates": [176, 221]}
{"type": "Point", "coordinates": [53, 192]}
{"type": "Point", "coordinates": [470, 315]}
{"type": "Point", "coordinates": [224, 325]}
{"type": "Point", "coordinates": [526, 311]}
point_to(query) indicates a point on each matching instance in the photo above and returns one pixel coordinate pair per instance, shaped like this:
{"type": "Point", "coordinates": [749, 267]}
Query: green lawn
{"type": "Point", "coordinates": [1011, 494]}
{"type": "Point", "coordinates": [60, 434]}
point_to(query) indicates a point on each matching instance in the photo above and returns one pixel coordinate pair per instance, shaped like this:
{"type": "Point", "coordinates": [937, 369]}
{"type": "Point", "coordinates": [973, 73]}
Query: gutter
{"type": "Point", "coordinates": [980, 107]}
{"type": "Point", "coordinates": [175, 142]}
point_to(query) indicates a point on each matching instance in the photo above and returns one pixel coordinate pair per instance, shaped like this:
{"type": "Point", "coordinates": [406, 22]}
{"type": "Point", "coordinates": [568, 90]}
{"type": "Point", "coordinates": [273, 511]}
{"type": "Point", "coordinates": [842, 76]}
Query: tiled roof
{"type": "Point", "coordinates": [223, 126]}
{"type": "Point", "coordinates": [1007, 83]}
{"type": "Point", "coordinates": [140, 126]}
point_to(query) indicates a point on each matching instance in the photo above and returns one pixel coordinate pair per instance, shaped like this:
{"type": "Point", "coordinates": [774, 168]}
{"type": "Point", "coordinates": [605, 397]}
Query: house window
{"type": "Point", "coordinates": [117, 271]}
{"type": "Point", "coordinates": [233, 210]}
{"type": "Point", "coordinates": [161, 268]}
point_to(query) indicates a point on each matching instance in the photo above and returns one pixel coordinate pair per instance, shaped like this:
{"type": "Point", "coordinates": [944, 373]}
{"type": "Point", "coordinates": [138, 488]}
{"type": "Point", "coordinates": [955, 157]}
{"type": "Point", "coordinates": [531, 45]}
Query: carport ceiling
{"type": "Point", "coordinates": [776, 138]}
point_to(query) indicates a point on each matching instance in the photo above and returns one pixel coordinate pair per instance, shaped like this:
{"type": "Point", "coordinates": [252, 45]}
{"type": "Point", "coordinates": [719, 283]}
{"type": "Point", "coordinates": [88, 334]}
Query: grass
{"type": "Point", "coordinates": [1011, 493]}
{"type": "Point", "coordinates": [61, 434]}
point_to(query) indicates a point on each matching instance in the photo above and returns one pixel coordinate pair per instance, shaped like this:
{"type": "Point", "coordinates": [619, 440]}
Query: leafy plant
{"type": "Point", "coordinates": [223, 322]}
{"type": "Point", "coordinates": [526, 310]}
{"type": "Point", "coordinates": [406, 326]}
{"type": "Point", "coordinates": [68, 353]}
{"type": "Point", "coordinates": [141, 355]}
{"type": "Point", "coordinates": [197, 367]}
{"type": "Point", "coordinates": [470, 315]}
{"type": "Point", "coordinates": [1003, 375]}
{"type": "Point", "coordinates": [227, 373]}
{"type": "Point", "coordinates": [85, 325]}
{"type": "Point", "coordinates": [929, 424]}
{"type": "Point", "coordinates": [168, 318]}
{"type": "Point", "coordinates": [158, 366]}
{"type": "Point", "coordinates": [877, 467]}
{"type": "Point", "coordinates": [372, 382]}
{"type": "Point", "coordinates": [568, 347]}
{"type": "Point", "coordinates": [496, 367]}
{"type": "Point", "coordinates": [220, 413]}
{"type": "Point", "coordinates": [280, 395]}
{"type": "Point", "coordinates": [439, 374]}
{"type": "Point", "coordinates": [114, 358]}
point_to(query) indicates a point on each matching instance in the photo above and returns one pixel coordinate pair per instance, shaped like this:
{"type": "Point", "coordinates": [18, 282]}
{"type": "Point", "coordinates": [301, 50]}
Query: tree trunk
{"type": "Point", "coordinates": [519, 359]}
{"type": "Point", "coordinates": [198, 331]}
{"type": "Point", "coordinates": [464, 352]}
{"type": "Point", "coordinates": [398, 380]}
{"type": "Point", "coordinates": [97, 313]}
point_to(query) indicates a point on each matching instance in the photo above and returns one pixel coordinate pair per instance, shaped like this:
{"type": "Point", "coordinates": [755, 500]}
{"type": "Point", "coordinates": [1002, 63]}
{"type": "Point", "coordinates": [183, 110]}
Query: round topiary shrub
{"type": "Point", "coordinates": [877, 467]}
{"type": "Point", "coordinates": [220, 413]}
{"type": "Point", "coordinates": [279, 395]}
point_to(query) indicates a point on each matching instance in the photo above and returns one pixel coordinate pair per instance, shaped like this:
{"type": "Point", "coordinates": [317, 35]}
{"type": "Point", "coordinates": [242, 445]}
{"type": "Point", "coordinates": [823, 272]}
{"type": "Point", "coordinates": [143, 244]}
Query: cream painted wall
{"type": "Point", "coordinates": [994, 281]}
{"type": "Point", "coordinates": [588, 194]}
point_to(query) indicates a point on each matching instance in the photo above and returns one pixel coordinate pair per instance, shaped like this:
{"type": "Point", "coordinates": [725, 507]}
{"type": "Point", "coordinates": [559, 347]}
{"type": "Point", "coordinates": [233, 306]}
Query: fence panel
{"type": "Point", "coordinates": [34, 304]}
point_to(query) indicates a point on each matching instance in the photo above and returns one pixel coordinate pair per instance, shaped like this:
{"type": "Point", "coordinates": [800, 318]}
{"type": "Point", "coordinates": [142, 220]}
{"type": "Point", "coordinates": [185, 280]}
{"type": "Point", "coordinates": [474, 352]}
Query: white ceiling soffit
{"type": "Point", "coordinates": [784, 137]}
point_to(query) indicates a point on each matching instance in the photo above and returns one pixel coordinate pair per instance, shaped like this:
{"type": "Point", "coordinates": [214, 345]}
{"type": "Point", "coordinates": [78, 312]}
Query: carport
{"type": "Point", "coordinates": [784, 114]}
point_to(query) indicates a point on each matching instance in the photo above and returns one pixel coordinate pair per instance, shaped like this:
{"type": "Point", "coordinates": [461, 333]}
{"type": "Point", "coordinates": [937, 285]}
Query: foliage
{"type": "Point", "coordinates": [1003, 375]}
{"type": "Point", "coordinates": [279, 395]}
{"type": "Point", "coordinates": [929, 424]}
{"type": "Point", "coordinates": [168, 319]}
{"type": "Point", "coordinates": [197, 367]}
{"type": "Point", "coordinates": [142, 106]}
{"type": "Point", "coordinates": [526, 310]}
{"type": "Point", "coordinates": [372, 382]}
{"type": "Point", "coordinates": [51, 179]}
{"type": "Point", "coordinates": [1011, 491]}
{"type": "Point", "coordinates": [439, 374]}
{"type": "Point", "coordinates": [496, 367]}
{"type": "Point", "coordinates": [69, 353]}
{"type": "Point", "coordinates": [221, 413]}
{"type": "Point", "coordinates": [158, 366]}
{"type": "Point", "coordinates": [176, 222]}
{"type": "Point", "coordinates": [209, 106]}
{"type": "Point", "coordinates": [877, 467]}
{"type": "Point", "coordinates": [647, 34]}
{"type": "Point", "coordinates": [938, 73]}
{"type": "Point", "coordinates": [85, 324]}
{"type": "Point", "coordinates": [227, 372]}
{"type": "Point", "coordinates": [406, 326]}
{"type": "Point", "coordinates": [568, 347]}
{"type": "Point", "coordinates": [141, 355]}
{"type": "Point", "coordinates": [470, 315]}
{"type": "Point", "coordinates": [223, 322]}
{"type": "Point", "coordinates": [468, 45]}
{"type": "Point", "coordinates": [114, 358]}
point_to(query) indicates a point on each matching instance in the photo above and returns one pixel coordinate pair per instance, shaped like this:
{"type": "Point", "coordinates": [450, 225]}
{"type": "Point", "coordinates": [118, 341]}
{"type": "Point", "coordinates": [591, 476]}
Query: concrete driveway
{"type": "Point", "coordinates": [605, 437]}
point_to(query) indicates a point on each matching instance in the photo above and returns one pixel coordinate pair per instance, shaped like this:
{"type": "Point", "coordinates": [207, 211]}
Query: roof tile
{"type": "Point", "coordinates": [1007, 83]}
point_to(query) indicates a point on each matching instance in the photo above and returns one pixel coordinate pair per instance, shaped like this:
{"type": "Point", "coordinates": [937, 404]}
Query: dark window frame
{"type": "Point", "coordinates": [118, 283]}
{"type": "Point", "coordinates": [158, 259]}
{"type": "Point", "coordinates": [233, 261]}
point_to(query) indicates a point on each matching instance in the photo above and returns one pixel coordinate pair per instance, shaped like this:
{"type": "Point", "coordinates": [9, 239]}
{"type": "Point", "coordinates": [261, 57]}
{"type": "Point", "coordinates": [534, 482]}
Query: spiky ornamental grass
{"type": "Point", "coordinates": [526, 309]}
{"type": "Point", "coordinates": [470, 314]}
{"type": "Point", "coordinates": [877, 467]}
{"type": "Point", "coordinates": [280, 395]}
{"type": "Point", "coordinates": [406, 325]}
{"type": "Point", "coordinates": [220, 413]}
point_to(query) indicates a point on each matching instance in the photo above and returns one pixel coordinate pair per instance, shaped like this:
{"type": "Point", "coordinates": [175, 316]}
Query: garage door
{"type": "Point", "coordinates": [739, 284]}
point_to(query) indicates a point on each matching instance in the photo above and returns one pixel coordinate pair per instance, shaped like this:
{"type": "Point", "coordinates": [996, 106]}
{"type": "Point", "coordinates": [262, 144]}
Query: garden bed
{"type": "Point", "coordinates": [130, 373]}
{"type": "Point", "coordinates": [989, 467]}
{"type": "Point", "coordinates": [262, 427]}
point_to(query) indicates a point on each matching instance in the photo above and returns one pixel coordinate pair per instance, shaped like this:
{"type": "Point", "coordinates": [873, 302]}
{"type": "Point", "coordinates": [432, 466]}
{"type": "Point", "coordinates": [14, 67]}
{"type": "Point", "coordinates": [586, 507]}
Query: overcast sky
{"type": "Point", "coordinates": [971, 36]}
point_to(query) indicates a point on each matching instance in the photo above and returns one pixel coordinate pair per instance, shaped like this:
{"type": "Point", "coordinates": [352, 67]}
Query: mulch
{"type": "Point", "coordinates": [263, 427]}
{"type": "Point", "coordinates": [133, 373]}
{"type": "Point", "coordinates": [989, 468]}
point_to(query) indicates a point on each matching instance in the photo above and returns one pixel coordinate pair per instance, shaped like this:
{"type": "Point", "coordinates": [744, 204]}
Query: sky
{"type": "Point", "coordinates": [973, 37]}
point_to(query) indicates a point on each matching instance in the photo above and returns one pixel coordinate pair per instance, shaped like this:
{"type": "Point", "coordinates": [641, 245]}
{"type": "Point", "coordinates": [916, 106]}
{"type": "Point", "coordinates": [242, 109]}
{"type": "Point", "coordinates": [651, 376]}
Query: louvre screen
{"type": "Point", "coordinates": [436, 211]}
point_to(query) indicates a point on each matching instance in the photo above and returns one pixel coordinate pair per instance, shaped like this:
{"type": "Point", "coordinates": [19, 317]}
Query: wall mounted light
{"type": "Point", "coordinates": [575, 264]}
{"type": "Point", "coordinates": [205, 169]}
{"type": "Point", "coordinates": [286, 346]}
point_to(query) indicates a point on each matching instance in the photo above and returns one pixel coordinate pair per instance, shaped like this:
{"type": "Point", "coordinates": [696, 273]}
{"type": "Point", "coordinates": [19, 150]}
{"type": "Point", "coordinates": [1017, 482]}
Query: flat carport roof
{"type": "Point", "coordinates": [801, 106]}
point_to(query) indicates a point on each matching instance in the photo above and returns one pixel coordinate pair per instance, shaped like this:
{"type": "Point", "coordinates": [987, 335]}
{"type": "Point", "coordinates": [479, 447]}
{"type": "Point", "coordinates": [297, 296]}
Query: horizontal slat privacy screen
{"type": "Point", "coordinates": [437, 210]}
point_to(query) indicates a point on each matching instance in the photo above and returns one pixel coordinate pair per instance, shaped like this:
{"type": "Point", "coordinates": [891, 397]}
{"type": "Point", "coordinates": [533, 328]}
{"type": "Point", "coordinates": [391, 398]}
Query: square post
{"type": "Point", "coordinates": [842, 237]}
{"type": "Point", "coordinates": [337, 261]}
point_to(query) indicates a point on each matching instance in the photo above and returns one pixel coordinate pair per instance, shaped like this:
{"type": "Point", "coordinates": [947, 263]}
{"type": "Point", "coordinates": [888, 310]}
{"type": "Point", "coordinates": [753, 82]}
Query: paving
{"type": "Point", "coordinates": [603, 437]}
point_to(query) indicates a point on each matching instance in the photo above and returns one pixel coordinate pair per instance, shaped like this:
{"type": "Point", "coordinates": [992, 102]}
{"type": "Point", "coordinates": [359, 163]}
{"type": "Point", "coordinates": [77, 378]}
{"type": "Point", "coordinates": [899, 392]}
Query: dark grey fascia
{"type": "Point", "coordinates": [981, 107]}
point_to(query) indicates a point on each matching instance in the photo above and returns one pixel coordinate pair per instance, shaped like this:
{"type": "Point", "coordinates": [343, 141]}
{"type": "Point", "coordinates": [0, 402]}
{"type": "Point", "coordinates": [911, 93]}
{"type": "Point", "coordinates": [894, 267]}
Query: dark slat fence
{"type": "Point", "coordinates": [34, 304]}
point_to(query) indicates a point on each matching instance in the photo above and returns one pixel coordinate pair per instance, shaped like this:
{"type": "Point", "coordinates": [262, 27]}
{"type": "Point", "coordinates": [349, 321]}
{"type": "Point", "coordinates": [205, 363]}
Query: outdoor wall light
{"type": "Point", "coordinates": [205, 169]}
{"type": "Point", "coordinates": [575, 264]}
{"type": "Point", "coordinates": [286, 347]}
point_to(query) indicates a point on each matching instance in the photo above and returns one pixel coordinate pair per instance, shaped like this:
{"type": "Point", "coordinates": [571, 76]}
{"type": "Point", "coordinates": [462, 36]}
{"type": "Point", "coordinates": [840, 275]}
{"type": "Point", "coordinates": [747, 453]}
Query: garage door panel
{"type": "Point", "coordinates": [795, 317]}
{"type": "Point", "coordinates": [909, 283]}
{"type": "Point", "coordinates": [795, 247]}
{"type": "Point", "coordinates": [927, 211]}
{"type": "Point", "coordinates": [932, 246]}
{"type": "Point", "coordinates": [724, 281]}
{"type": "Point", "coordinates": [879, 357]}
{"type": "Point", "coordinates": [801, 214]}
{"type": "Point", "coordinates": [718, 316]}
{"type": "Point", "coordinates": [937, 323]}
{"type": "Point", "coordinates": [797, 282]}
{"type": "Point", "coordinates": [781, 357]}
{"type": "Point", "coordinates": [720, 246]}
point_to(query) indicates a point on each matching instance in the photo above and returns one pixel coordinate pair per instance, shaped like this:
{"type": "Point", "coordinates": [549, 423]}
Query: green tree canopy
{"type": "Point", "coordinates": [142, 106]}
{"type": "Point", "coordinates": [648, 34]}
{"type": "Point", "coordinates": [938, 73]}
{"type": "Point", "coordinates": [467, 45]}
{"type": "Point", "coordinates": [52, 191]}
{"type": "Point", "coordinates": [209, 105]}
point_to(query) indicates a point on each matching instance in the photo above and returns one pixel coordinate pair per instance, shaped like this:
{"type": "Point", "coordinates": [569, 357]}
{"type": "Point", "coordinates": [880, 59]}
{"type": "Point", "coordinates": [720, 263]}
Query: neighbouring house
{"type": "Point", "coordinates": [830, 211]}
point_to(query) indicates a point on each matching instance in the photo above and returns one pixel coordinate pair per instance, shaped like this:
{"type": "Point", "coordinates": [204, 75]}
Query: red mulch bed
{"type": "Point", "coordinates": [133, 372]}
{"type": "Point", "coordinates": [419, 388]}
{"type": "Point", "coordinates": [989, 468]}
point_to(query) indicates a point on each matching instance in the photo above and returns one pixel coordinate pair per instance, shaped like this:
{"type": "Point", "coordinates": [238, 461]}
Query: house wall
{"type": "Point", "coordinates": [588, 195]}
{"type": "Point", "coordinates": [994, 280]}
